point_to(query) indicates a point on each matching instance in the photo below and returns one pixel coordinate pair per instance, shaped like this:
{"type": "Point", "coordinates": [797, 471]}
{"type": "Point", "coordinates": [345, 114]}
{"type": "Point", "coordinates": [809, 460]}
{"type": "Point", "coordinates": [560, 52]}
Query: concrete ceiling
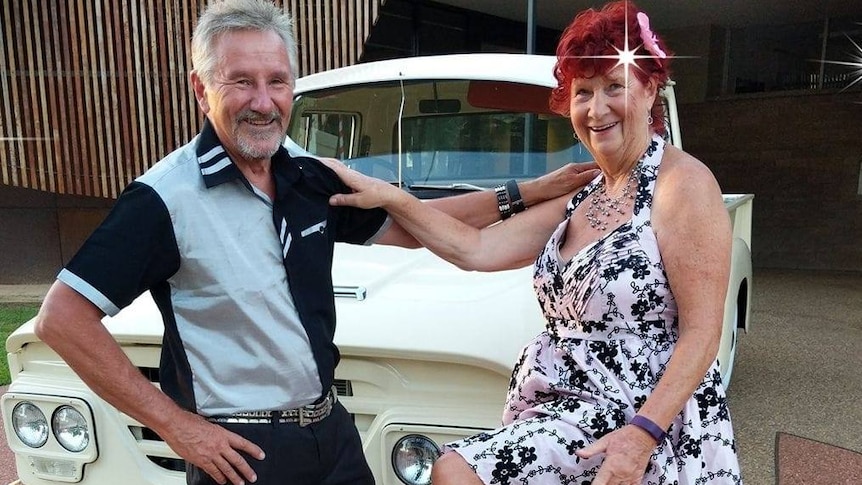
{"type": "Point", "coordinates": [671, 14]}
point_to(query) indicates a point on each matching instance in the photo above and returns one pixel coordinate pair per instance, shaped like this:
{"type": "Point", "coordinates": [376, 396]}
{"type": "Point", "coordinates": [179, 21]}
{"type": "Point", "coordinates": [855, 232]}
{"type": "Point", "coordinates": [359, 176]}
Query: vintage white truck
{"type": "Point", "coordinates": [426, 348]}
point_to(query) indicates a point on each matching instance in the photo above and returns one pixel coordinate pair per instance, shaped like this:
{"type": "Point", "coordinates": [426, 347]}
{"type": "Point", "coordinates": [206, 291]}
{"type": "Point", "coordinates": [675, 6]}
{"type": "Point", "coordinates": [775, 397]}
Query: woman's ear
{"type": "Point", "coordinates": [652, 88]}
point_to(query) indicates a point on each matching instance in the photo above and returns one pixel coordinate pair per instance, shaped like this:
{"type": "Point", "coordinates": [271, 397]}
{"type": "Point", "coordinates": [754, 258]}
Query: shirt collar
{"type": "Point", "coordinates": [217, 167]}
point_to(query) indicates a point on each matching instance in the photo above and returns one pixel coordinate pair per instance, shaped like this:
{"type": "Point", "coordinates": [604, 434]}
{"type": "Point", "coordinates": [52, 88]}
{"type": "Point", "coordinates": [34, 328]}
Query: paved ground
{"type": "Point", "coordinates": [7, 460]}
{"type": "Point", "coordinates": [797, 371]}
{"type": "Point", "coordinates": [22, 293]}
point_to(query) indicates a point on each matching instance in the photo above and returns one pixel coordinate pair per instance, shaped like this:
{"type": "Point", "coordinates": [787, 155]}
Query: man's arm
{"type": "Point", "coordinates": [71, 325]}
{"type": "Point", "coordinates": [479, 209]}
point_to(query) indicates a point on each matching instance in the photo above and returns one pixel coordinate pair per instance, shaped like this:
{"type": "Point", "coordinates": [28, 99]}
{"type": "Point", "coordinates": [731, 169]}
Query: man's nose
{"type": "Point", "coordinates": [261, 100]}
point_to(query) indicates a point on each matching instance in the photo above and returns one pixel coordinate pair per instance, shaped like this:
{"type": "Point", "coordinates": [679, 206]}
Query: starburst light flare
{"type": "Point", "coordinates": [626, 56]}
{"type": "Point", "coordinates": [855, 62]}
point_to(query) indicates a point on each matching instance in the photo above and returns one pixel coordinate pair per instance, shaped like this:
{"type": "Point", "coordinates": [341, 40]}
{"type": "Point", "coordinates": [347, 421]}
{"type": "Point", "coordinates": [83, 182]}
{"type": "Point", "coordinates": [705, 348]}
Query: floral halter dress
{"type": "Point", "coordinates": [611, 329]}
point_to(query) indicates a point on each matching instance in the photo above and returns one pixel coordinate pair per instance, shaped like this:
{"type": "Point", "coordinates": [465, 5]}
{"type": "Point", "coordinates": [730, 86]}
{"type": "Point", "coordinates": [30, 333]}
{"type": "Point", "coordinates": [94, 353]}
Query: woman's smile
{"type": "Point", "coordinates": [601, 128]}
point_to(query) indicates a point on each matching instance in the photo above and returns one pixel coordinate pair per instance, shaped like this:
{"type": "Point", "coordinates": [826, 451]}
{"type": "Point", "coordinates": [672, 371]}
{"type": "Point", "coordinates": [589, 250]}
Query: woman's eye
{"type": "Point", "coordinates": [616, 88]}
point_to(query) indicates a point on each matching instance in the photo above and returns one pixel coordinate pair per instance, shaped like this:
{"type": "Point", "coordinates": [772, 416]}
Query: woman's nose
{"type": "Point", "coordinates": [598, 105]}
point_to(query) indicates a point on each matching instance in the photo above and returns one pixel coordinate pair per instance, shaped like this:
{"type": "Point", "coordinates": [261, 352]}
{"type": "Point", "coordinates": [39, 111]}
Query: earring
{"type": "Point", "coordinates": [575, 136]}
{"type": "Point", "coordinates": [649, 120]}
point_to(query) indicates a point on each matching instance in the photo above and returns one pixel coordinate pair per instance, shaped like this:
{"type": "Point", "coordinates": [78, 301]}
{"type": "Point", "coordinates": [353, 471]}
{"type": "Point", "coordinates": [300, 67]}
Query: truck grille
{"type": "Point", "coordinates": [154, 447]}
{"type": "Point", "coordinates": [343, 387]}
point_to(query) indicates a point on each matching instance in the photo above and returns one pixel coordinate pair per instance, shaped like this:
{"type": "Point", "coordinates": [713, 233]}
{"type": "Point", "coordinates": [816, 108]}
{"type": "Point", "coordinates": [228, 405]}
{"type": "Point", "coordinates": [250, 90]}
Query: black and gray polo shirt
{"type": "Point", "coordinates": [243, 283]}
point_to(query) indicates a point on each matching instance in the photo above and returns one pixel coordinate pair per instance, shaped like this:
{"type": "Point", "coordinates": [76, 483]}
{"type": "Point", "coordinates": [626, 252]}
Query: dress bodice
{"type": "Point", "coordinates": [615, 286]}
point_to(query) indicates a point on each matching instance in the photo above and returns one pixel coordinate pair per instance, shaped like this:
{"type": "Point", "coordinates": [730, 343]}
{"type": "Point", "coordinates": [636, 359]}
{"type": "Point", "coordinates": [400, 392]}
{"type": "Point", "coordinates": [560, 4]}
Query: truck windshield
{"type": "Point", "coordinates": [457, 135]}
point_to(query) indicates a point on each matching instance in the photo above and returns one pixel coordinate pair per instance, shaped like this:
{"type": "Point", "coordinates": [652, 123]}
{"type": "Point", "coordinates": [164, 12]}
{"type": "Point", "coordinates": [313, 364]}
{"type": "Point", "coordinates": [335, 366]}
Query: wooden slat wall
{"type": "Point", "coordinates": [96, 91]}
{"type": "Point", "coordinates": [331, 33]}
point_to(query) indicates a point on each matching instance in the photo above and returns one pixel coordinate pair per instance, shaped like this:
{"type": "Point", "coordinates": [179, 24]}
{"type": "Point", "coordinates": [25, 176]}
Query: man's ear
{"type": "Point", "coordinates": [200, 91]}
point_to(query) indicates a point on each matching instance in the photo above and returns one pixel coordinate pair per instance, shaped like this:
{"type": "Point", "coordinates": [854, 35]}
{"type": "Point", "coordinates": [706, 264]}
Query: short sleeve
{"type": "Point", "coordinates": [354, 225]}
{"type": "Point", "coordinates": [361, 226]}
{"type": "Point", "coordinates": [133, 250]}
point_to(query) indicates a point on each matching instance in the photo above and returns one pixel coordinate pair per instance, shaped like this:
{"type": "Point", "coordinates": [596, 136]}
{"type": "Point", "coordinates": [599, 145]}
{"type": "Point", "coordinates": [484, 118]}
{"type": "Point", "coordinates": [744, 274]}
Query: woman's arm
{"type": "Point", "coordinates": [479, 209]}
{"type": "Point", "coordinates": [694, 238]}
{"type": "Point", "coordinates": [513, 243]}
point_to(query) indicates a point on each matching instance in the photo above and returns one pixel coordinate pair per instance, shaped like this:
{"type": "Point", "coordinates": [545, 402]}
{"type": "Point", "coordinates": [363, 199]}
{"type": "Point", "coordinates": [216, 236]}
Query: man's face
{"type": "Point", "coordinates": [250, 96]}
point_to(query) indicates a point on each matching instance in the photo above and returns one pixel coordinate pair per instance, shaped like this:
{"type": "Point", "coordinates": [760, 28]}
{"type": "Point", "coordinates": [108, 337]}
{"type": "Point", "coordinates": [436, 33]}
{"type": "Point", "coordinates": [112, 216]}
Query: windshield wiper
{"type": "Point", "coordinates": [461, 187]}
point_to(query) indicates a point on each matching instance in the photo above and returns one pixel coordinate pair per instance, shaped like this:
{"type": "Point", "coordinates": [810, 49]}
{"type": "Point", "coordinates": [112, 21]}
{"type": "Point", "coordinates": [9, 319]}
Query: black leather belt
{"type": "Point", "coordinates": [305, 415]}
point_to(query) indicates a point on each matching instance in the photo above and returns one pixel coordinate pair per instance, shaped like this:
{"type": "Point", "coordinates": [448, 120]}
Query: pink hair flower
{"type": "Point", "coordinates": [649, 38]}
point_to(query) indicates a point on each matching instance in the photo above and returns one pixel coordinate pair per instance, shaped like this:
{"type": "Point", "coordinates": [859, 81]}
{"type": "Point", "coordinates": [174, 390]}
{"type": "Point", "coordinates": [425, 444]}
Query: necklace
{"type": "Point", "coordinates": [603, 207]}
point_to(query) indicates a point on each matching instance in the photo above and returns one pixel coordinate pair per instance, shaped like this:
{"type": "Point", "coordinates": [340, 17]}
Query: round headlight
{"type": "Point", "coordinates": [412, 458]}
{"type": "Point", "coordinates": [30, 424]}
{"type": "Point", "coordinates": [70, 428]}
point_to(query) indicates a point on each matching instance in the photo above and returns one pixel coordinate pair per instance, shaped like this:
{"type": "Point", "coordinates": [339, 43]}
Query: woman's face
{"type": "Point", "coordinates": [609, 113]}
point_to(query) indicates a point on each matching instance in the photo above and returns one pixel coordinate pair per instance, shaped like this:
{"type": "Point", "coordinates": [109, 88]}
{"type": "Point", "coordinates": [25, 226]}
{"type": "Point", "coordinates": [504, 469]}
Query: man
{"type": "Point", "coordinates": [233, 237]}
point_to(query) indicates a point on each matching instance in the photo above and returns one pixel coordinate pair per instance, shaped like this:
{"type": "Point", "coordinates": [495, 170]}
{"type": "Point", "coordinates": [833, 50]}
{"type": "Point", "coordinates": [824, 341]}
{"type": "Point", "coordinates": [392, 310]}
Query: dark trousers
{"type": "Point", "coordinates": [324, 453]}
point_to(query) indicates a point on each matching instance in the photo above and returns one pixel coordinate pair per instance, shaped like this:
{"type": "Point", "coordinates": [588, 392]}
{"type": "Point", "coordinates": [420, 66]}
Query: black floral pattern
{"type": "Point", "coordinates": [506, 468]}
{"type": "Point", "coordinates": [611, 329]}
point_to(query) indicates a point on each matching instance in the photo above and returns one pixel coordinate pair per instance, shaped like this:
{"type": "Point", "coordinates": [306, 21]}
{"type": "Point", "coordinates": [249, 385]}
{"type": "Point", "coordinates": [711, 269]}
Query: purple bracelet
{"type": "Point", "coordinates": [647, 425]}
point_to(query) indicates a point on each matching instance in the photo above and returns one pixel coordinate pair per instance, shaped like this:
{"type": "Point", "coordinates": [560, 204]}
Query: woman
{"type": "Point", "coordinates": [623, 386]}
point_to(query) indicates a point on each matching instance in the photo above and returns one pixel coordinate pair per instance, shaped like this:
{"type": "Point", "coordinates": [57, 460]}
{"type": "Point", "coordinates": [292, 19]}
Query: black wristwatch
{"type": "Point", "coordinates": [515, 200]}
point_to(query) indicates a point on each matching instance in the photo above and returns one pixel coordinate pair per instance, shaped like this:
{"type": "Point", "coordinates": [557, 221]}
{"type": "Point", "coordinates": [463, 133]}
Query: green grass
{"type": "Point", "coordinates": [12, 315]}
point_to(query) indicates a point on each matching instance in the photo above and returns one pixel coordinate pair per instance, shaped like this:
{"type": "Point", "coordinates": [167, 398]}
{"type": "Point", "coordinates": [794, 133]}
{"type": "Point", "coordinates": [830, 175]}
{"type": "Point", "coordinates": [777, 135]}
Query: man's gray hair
{"type": "Point", "coordinates": [223, 16]}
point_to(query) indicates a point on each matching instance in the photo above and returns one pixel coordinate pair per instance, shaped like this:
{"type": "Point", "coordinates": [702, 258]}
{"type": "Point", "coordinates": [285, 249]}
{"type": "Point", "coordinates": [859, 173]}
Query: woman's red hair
{"type": "Point", "coordinates": [595, 33]}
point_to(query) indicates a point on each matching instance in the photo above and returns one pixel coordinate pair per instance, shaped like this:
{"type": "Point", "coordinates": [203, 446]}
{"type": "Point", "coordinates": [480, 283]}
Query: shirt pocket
{"type": "Point", "coordinates": [318, 228]}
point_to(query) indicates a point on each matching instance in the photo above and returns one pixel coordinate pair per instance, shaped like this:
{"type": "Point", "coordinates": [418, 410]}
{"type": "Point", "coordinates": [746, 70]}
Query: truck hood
{"type": "Point", "coordinates": [394, 303]}
{"type": "Point", "coordinates": [419, 306]}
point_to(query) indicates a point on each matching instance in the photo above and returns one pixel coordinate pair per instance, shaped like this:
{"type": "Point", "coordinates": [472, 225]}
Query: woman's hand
{"type": "Point", "coordinates": [368, 192]}
{"type": "Point", "coordinates": [561, 182]}
{"type": "Point", "coordinates": [627, 453]}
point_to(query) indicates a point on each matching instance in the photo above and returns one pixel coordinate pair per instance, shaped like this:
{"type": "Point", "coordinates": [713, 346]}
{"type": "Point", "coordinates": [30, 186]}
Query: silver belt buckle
{"type": "Point", "coordinates": [316, 412]}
